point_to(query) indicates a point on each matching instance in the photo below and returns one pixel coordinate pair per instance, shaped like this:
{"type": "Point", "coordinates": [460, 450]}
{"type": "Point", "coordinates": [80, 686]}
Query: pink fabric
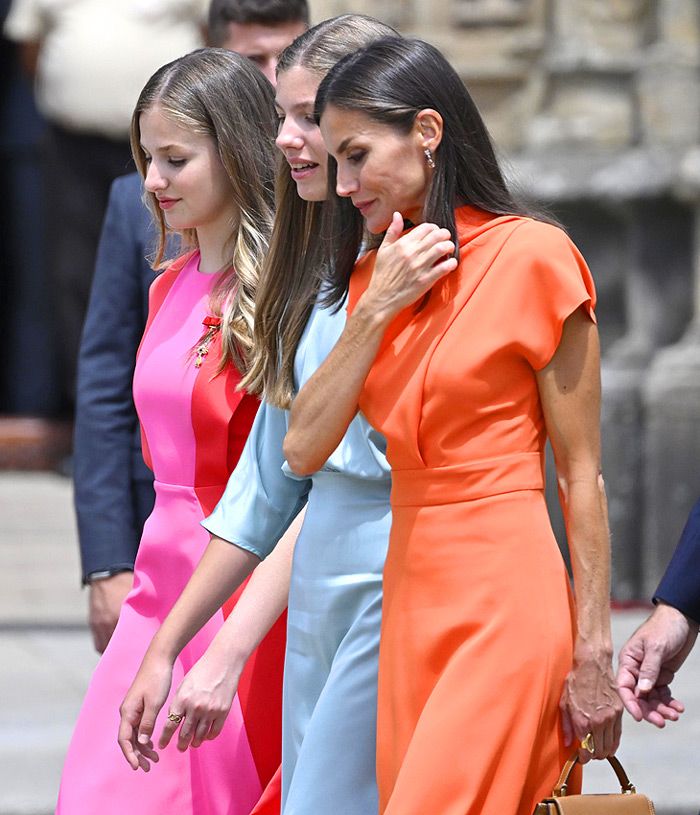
{"type": "Point", "coordinates": [165, 376]}
{"type": "Point", "coordinates": [220, 777]}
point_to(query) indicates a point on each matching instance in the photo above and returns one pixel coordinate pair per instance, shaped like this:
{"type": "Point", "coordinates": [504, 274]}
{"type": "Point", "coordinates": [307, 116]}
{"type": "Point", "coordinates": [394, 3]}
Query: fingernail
{"type": "Point", "coordinates": [645, 685]}
{"type": "Point", "coordinates": [143, 738]}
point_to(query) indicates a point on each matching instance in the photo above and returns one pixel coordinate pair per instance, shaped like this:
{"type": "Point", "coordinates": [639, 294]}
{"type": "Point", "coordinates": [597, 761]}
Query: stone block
{"type": "Point", "coordinates": [659, 282]}
{"type": "Point", "coordinates": [669, 100]}
{"type": "Point", "coordinates": [594, 32]}
{"type": "Point", "coordinates": [622, 464]}
{"type": "Point", "coordinates": [584, 111]}
{"type": "Point", "coordinates": [679, 25]}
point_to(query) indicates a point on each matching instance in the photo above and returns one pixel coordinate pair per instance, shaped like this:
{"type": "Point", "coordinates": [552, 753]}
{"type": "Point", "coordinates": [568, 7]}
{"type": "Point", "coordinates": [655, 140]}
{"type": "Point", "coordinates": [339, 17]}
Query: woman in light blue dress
{"type": "Point", "coordinates": [335, 595]}
{"type": "Point", "coordinates": [335, 588]}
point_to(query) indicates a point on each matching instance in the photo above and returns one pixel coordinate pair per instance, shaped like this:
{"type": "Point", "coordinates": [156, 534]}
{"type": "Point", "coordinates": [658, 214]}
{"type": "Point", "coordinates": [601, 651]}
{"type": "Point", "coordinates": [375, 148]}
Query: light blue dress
{"type": "Point", "coordinates": [335, 598]}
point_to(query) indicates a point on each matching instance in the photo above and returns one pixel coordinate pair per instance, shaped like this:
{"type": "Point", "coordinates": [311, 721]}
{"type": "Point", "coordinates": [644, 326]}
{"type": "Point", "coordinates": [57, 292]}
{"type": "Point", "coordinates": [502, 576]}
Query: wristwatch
{"type": "Point", "coordinates": [103, 574]}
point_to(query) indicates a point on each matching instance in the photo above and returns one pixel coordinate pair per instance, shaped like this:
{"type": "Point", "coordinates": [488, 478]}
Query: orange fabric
{"type": "Point", "coordinates": [477, 633]}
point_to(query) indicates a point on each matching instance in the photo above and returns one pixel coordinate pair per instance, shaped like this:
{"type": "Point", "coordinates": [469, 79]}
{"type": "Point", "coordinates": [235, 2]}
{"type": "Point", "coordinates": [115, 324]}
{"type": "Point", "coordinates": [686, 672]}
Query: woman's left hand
{"type": "Point", "coordinates": [202, 703]}
{"type": "Point", "coordinates": [591, 705]}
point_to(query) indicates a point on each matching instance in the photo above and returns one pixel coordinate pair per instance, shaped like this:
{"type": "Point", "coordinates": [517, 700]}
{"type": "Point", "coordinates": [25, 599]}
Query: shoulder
{"type": "Point", "coordinates": [539, 236]}
{"type": "Point", "coordinates": [515, 241]}
{"type": "Point", "coordinates": [537, 252]}
{"type": "Point", "coordinates": [477, 226]}
{"type": "Point", "coordinates": [546, 244]}
{"type": "Point", "coordinates": [164, 281]}
{"type": "Point", "coordinates": [323, 328]}
{"type": "Point", "coordinates": [536, 238]}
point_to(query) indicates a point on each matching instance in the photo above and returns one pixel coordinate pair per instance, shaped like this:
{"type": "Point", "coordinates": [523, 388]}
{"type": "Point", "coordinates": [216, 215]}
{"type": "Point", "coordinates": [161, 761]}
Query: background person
{"type": "Point", "coordinates": [113, 487]}
{"type": "Point", "coordinates": [651, 657]}
{"type": "Point", "coordinates": [86, 93]}
{"type": "Point", "coordinates": [202, 135]}
{"type": "Point", "coordinates": [258, 29]}
{"type": "Point", "coordinates": [466, 368]}
{"type": "Point", "coordinates": [24, 309]}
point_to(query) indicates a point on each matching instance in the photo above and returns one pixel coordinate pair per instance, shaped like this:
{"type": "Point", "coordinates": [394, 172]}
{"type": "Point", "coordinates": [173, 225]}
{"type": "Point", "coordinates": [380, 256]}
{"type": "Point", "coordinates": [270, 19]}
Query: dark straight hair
{"type": "Point", "coordinates": [253, 12]}
{"type": "Point", "coordinates": [391, 81]}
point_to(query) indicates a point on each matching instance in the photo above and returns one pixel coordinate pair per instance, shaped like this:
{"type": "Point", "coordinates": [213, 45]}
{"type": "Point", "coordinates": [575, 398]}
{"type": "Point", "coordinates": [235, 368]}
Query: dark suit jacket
{"type": "Point", "coordinates": [113, 486]}
{"type": "Point", "coordinates": [680, 585]}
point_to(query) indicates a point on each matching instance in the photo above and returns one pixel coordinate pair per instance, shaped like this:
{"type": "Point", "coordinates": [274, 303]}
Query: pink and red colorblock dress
{"type": "Point", "coordinates": [194, 425]}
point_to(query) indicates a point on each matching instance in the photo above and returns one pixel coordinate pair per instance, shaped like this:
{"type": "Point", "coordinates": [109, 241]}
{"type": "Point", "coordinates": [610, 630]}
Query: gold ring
{"type": "Point", "coordinates": [588, 744]}
{"type": "Point", "coordinates": [175, 717]}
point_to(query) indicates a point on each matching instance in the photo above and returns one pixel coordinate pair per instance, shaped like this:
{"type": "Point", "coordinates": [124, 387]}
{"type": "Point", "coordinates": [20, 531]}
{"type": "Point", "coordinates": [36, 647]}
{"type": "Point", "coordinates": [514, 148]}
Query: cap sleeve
{"type": "Point", "coordinates": [546, 279]}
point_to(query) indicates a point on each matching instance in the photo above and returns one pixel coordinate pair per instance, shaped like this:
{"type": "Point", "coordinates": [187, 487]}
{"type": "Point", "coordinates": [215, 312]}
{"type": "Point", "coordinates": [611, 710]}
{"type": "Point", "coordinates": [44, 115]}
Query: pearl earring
{"type": "Point", "coordinates": [429, 157]}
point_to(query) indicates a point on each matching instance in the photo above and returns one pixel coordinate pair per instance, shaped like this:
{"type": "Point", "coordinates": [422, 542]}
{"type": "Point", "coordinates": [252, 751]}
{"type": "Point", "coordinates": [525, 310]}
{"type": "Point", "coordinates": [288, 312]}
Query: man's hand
{"type": "Point", "coordinates": [106, 598]}
{"type": "Point", "coordinates": [649, 661]}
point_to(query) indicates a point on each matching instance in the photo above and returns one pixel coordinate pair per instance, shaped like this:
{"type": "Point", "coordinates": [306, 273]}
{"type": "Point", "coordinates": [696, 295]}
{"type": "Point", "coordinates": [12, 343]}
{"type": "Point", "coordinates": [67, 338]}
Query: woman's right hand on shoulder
{"type": "Point", "coordinates": [139, 710]}
{"type": "Point", "coordinates": [407, 266]}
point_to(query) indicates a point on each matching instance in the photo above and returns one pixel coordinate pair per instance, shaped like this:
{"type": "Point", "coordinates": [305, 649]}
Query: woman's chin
{"type": "Point", "coordinates": [311, 191]}
{"type": "Point", "coordinates": [376, 226]}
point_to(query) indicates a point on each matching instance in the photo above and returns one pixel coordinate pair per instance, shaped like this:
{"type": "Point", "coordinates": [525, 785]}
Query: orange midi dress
{"type": "Point", "coordinates": [478, 618]}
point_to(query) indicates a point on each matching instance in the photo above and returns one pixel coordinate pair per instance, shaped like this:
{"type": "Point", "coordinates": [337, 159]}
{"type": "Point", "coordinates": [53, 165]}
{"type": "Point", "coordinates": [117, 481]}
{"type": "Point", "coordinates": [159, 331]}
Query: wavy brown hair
{"type": "Point", "coordinates": [294, 270]}
{"type": "Point", "coordinates": [216, 93]}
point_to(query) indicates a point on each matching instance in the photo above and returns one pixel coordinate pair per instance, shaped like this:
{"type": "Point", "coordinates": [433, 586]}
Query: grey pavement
{"type": "Point", "coordinates": [47, 658]}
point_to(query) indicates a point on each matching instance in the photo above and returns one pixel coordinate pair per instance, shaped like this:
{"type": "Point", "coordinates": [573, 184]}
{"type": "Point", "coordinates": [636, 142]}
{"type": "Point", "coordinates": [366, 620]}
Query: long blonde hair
{"type": "Point", "coordinates": [217, 93]}
{"type": "Point", "coordinates": [293, 271]}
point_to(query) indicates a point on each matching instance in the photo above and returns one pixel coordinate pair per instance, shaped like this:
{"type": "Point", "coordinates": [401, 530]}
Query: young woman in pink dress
{"type": "Point", "coordinates": [202, 137]}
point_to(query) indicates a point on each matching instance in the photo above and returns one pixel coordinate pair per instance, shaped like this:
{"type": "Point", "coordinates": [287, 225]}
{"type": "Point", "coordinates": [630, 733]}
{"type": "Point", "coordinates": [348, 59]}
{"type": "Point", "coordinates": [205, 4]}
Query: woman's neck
{"type": "Point", "coordinates": [214, 250]}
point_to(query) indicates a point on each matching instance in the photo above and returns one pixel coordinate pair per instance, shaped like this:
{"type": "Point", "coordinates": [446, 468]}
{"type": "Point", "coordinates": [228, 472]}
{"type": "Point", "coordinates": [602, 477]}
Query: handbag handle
{"type": "Point", "coordinates": [626, 785]}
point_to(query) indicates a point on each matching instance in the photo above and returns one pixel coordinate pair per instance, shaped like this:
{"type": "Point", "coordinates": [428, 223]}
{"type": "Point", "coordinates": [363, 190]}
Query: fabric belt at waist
{"type": "Point", "coordinates": [426, 486]}
{"type": "Point", "coordinates": [158, 482]}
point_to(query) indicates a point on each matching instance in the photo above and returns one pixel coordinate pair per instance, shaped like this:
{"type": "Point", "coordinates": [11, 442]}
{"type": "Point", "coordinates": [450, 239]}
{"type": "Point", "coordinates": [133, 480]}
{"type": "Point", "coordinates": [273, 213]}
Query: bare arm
{"type": "Point", "coordinates": [569, 388]}
{"type": "Point", "coordinates": [205, 696]}
{"type": "Point", "coordinates": [220, 572]}
{"type": "Point", "coordinates": [407, 266]}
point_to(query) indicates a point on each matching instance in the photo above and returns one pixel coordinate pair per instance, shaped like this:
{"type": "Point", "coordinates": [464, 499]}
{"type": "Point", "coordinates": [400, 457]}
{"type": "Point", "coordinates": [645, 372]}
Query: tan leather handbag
{"type": "Point", "coordinates": [626, 802]}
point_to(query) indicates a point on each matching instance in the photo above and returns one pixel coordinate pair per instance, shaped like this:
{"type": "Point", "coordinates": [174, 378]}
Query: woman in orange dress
{"type": "Point", "coordinates": [488, 674]}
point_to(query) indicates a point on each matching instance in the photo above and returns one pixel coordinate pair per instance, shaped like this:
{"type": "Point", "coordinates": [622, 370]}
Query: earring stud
{"type": "Point", "coordinates": [429, 157]}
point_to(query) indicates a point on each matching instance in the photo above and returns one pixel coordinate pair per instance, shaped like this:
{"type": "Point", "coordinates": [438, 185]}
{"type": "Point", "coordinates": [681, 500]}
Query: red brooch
{"type": "Point", "coordinates": [213, 324]}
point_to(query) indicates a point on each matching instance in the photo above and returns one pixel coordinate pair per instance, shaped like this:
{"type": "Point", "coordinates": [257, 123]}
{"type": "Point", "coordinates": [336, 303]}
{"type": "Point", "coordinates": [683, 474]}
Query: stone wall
{"type": "Point", "coordinates": [595, 106]}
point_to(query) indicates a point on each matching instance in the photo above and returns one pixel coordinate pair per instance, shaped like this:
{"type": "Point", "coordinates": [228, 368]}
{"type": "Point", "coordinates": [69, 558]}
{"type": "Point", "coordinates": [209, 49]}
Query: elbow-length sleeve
{"type": "Point", "coordinates": [260, 501]}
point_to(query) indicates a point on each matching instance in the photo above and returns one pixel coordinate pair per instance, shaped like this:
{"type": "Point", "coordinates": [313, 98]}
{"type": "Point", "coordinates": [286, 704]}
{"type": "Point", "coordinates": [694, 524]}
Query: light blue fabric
{"type": "Point", "coordinates": [330, 680]}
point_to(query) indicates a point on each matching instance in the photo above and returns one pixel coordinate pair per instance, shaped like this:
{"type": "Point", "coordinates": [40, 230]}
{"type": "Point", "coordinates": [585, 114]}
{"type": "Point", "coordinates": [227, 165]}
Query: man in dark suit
{"type": "Point", "coordinates": [113, 488]}
{"type": "Point", "coordinates": [650, 658]}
